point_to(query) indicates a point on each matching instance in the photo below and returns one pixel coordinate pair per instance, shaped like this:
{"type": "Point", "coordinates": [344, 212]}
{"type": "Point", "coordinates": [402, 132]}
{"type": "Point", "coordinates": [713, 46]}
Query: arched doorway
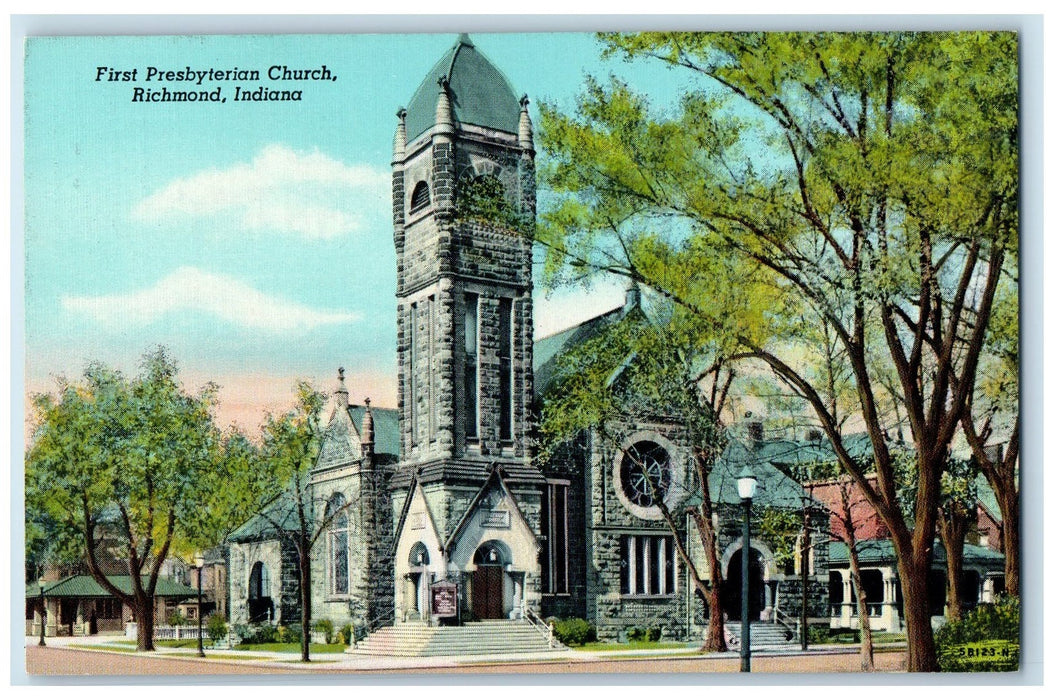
{"type": "Point", "coordinates": [419, 580]}
{"type": "Point", "coordinates": [488, 581]}
{"type": "Point", "coordinates": [261, 608]}
{"type": "Point", "coordinates": [732, 590]}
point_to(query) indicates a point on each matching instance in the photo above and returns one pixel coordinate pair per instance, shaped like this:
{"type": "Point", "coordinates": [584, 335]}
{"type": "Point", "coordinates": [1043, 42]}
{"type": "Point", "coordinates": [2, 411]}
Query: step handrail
{"type": "Point", "coordinates": [546, 628]}
{"type": "Point", "coordinates": [792, 625]}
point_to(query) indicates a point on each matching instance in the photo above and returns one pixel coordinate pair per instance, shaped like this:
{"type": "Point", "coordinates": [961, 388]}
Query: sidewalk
{"type": "Point", "coordinates": [354, 662]}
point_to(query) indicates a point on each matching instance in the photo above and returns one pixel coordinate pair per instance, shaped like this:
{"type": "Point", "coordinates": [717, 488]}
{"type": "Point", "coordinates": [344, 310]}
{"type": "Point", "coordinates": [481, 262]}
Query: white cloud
{"type": "Point", "coordinates": [309, 194]}
{"type": "Point", "coordinates": [190, 289]}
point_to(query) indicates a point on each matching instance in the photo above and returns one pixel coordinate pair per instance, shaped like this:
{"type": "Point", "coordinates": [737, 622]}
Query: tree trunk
{"type": "Point", "coordinates": [952, 529]}
{"type": "Point", "coordinates": [144, 616]}
{"type": "Point", "coordinates": [305, 605]}
{"type": "Point", "coordinates": [922, 653]}
{"type": "Point", "coordinates": [715, 629]}
{"type": "Point", "coordinates": [1008, 504]}
{"type": "Point", "coordinates": [867, 647]}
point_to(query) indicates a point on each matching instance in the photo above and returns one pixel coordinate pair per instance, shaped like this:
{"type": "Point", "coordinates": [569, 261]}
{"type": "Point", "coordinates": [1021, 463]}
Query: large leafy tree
{"type": "Point", "coordinates": [295, 515]}
{"type": "Point", "coordinates": [638, 370]}
{"type": "Point", "coordinates": [866, 180]}
{"type": "Point", "coordinates": [133, 470]}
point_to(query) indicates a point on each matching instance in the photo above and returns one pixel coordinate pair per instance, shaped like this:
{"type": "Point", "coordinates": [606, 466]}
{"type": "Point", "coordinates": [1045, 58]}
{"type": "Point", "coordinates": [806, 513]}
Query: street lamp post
{"type": "Point", "coordinates": [199, 563]}
{"type": "Point", "coordinates": [43, 612]}
{"type": "Point", "coordinates": [747, 484]}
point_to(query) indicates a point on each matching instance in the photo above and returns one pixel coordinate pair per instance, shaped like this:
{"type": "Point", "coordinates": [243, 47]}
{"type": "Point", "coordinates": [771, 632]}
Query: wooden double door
{"type": "Point", "coordinates": [488, 591]}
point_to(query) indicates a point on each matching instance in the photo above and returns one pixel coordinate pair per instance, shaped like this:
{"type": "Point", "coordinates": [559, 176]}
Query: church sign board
{"type": "Point", "coordinates": [444, 600]}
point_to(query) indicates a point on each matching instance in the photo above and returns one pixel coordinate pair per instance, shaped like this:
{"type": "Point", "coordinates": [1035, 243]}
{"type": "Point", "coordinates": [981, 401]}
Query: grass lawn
{"type": "Point", "coordinates": [292, 648]}
{"type": "Point", "coordinates": [853, 637]}
{"type": "Point", "coordinates": [116, 646]}
{"type": "Point", "coordinates": [635, 646]}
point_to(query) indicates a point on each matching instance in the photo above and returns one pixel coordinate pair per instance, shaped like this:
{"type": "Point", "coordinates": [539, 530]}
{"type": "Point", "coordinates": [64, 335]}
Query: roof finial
{"type": "Point", "coordinates": [462, 38]}
{"type": "Point", "coordinates": [342, 391]}
{"type": "Point", "coordinates": [526, 128]}
{"type": "Point", "coordinates": [444, 110]}
{"type": "Point", "coordinates": [399, 149]}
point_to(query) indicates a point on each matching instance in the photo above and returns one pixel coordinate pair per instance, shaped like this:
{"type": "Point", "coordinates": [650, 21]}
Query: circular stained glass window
{"type": "Point", "coordinates": [645, 474]}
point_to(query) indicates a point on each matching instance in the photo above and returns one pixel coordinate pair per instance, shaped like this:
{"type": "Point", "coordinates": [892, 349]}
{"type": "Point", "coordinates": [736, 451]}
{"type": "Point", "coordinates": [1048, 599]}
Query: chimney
{"type": "Point", "coordinates": [756, 432]}
{"type": "Point", "coordinates": [341, 393]}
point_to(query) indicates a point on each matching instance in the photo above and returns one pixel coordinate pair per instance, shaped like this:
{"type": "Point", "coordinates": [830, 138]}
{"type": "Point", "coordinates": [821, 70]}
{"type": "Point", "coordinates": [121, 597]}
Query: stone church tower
{"type": "Point", "coordinates": [467, 495]}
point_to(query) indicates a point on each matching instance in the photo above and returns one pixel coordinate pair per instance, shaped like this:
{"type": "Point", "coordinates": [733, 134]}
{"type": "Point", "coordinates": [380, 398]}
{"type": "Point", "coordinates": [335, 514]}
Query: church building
{"type": "Point", "coordinates": [452, 515]}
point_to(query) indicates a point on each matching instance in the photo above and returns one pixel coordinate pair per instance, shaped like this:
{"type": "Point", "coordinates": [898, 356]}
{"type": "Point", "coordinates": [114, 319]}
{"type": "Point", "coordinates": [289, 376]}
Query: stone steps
{"type": "Point", "coordinates": [470, 639]}
{"type": "Point", "coordinates": [762, 634]}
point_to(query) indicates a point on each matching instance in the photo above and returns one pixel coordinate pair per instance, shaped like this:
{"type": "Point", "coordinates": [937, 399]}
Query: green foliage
{"type": "Point", "coordinates": [644, 634]}
{"type": "Point", "coordinates": [346, 635]}
{"type": "Point", "coordinates": [483, 197]}
{"type": "Point", "coordinates": [574, 632]}
{"type": "Point", "coordinates": [1000, 622]}
{"type": "Point", "coordinates": [257, 634]}
{"type": "Point", "coordinates": [216, 627]}
{"type": "Point", "coordinates": [135, 465]}
{"type": "Point", "coordinates": [780, 529]}
{"type": "Point", "coordinates": [176, 618]}
{"type": "Point", "coordinates": [326, 627]}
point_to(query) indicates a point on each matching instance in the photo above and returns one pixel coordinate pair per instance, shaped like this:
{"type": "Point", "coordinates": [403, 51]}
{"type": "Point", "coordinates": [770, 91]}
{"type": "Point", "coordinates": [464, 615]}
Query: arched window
{"type": "Point", "coordinates": [645, 474]}
{"type": "Point", "coordinates": [491, 553]}
{"type": "Point", "coordinates": [260, 607]}
{"type": "Point", "coordinates": [419, 199]}
{"type": "Point", "coordinates": [419, 555]}
{"type": "Point", "coordinates": [337, 516]}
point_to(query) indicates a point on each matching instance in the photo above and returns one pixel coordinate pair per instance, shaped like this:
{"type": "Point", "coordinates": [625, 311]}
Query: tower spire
{"type": "Point", "coordinates": [399, 147]}
{"type": "Point", "coordinates": [526, 136]}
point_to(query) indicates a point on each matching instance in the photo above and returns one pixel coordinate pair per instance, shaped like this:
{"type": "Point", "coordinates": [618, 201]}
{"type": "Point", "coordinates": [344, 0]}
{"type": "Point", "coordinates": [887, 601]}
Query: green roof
{"type": "Point", "coordinates": [480, 94]}
{"type": "Point", "coordinates": [986, 496]}
{"type": "Point", "coordinates": [882, 552]}
{"type": "Point", "coordinates": [280, 511]}
{"type": "Point", "coordinates": [385, 428]}
{"type": "Point", "coordinates": [85, 586]}
{"type": "Point", "coordinates": [547, 350]}
{"type": "Point", "coordinates": [775, 488]}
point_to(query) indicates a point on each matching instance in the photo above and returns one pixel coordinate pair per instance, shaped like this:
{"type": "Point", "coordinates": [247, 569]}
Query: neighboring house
{"type": "Point", "coordinates": [78, 605]}
{"type": "Point", "coordinates": [982, 564]}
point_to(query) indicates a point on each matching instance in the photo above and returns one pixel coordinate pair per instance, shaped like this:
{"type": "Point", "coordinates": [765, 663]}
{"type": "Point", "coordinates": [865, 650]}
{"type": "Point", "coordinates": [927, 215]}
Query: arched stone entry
{"type": "Point", "coordinates": [732, 588]}
{"type": "Point", "coordinates": [488, 581]}
{"type": "Point", "coordinates": [261, 607]}
{"type": "Point", "coordinates": [420, 580]}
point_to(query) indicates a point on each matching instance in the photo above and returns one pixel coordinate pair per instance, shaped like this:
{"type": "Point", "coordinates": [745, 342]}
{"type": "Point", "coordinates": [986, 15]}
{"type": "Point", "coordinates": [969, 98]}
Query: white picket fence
{"type": "Point", "coordinates": [131, 630]}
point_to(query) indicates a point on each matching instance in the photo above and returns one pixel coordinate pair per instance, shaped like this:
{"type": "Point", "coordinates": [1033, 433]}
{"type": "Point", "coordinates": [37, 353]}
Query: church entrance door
{"type": "Point", "coordinates": [488, 587]}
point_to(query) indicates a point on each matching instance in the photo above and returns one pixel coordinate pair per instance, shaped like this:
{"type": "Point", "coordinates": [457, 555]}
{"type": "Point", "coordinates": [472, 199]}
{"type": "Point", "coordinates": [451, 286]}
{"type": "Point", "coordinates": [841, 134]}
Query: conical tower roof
{"type": "Point", "coordinates": [480, 94]}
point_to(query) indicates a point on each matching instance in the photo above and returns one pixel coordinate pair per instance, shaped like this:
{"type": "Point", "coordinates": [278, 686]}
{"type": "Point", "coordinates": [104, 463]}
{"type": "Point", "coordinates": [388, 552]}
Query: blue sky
{"type": "Point", "coordinates": [252, 239]}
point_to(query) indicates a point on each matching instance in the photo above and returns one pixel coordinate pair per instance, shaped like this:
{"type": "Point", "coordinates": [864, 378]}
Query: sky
{"type": "Point", "coordinates": [253, 239]}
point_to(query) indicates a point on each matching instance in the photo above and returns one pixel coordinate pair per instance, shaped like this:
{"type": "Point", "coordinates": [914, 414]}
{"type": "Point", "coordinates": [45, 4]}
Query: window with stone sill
{"type": "Point", "coordinates": [648, 565]}
{"type": "Point", "coordinates": [338, 560]}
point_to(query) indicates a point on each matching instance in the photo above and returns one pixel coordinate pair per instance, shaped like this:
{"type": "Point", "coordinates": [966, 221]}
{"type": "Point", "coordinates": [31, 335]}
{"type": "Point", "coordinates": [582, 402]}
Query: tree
{"type": "Point", "coordinates": [868, 180]}
{"type": "Point", "coordinates": [992, 424]}
{"type": "Point", "coordinates": [635, 370]}
{"type": "Point", "coordinates": [956, 514]}
{"type": "Point", "coordinates": [291, 443]}
{"type": "Point", "coordinates": [132, 468]}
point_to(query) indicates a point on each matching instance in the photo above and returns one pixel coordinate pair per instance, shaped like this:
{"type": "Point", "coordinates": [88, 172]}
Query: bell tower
{"type": "Point", "coordinates": [463, 211]}
{"type": "Point", "coordinates": [463, 208]}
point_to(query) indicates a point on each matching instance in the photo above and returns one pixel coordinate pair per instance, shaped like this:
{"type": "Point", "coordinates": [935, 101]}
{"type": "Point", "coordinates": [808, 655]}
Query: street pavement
{"type": "Point", "coordinates": [66, 656]}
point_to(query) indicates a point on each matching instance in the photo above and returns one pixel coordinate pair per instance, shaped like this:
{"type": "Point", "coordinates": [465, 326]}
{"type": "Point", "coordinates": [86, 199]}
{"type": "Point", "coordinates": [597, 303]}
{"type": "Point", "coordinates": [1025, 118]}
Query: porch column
{"type": "Point", "coordinates": [847, 599]}
{"type": "Point", "coordinates": [769, 586]}
{"type": "Point", "coordinates": [517, 594]}
{"type": "Point", "coordinates": [80, 616]}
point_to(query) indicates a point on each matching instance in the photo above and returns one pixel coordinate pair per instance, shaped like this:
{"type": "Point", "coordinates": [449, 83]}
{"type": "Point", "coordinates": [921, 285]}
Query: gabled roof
{"type": "Point", "coordinates": [494, 477]}
{"type": "Point", "coordinates": [775, 488]}
{"type": "Point", "coordinates": [261, 526]}
{"type": "Point", "coordinates": [547, 350]}
{"type": "Point", "coordinates": [480, 94]}
{"type": "Point", "coordinates": [385, 428]}
{"type": "Point", "coordinates": [85, 586]}
{"type": "Point", "coordinates": [986, 497]}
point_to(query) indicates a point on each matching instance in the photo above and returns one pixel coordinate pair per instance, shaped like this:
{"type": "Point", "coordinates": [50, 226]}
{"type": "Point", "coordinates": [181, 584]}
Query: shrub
{"type": "Point", "coordinates": [176, 618]}
{"type": "Point", "coordinates": [574, 632]}
{"type": "Point", "coordinates": [819, 634]}
{"type": "Point", "coordinates": [654, 634]}
{"type": "Point", "coordinates": [326, 627]}
{"type": "Point", "coordinates": [257, 634]}
{"type": "Point", "coordinates": [346, 635]}
{"type": "Point", "coordinates": [998, 624]}
{"type": "Point", "coordinates": [217, 627]}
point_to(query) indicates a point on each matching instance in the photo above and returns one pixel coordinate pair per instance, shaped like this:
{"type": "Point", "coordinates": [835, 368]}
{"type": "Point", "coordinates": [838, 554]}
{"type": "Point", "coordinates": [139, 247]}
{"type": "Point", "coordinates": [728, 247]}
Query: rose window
{"type": "Point", "coordinates": [645, 474]}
